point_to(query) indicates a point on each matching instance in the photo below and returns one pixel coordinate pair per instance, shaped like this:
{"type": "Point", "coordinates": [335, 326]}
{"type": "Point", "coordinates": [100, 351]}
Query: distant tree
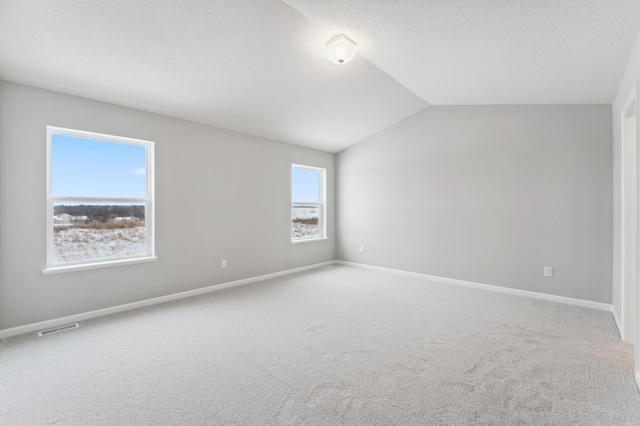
{"type": "Point", "coordinates": [101, 213]}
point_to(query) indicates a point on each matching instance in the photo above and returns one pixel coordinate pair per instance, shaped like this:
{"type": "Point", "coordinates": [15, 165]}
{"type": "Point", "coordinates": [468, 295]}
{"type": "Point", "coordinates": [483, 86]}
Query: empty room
{"type": "Point", "coordinates": [299, 212]}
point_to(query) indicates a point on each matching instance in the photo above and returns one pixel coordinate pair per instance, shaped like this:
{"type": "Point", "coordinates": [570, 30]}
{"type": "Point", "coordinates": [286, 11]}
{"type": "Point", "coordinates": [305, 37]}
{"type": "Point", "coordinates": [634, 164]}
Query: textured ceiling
{"type": "Point", "coordinates": [258, 66]}
{"type": "Point", "coordinates": [465, 52]}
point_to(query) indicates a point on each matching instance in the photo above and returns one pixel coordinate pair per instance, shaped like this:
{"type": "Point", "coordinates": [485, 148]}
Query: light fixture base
{"type": "Point", "coordinates": [340, 49]}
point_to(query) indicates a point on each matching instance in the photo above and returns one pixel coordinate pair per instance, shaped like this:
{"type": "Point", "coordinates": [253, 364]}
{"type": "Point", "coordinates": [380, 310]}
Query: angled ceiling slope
{"type": "Point", "coordinates": [259, 66]}
{"type": "Point", "coordinates": [459, 52]}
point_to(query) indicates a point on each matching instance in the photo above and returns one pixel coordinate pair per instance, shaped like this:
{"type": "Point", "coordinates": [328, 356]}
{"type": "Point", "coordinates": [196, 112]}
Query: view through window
{"type": "Point", "coordinates": [307, 202]}
{"type": "Point", "coordinates": [99, 198]}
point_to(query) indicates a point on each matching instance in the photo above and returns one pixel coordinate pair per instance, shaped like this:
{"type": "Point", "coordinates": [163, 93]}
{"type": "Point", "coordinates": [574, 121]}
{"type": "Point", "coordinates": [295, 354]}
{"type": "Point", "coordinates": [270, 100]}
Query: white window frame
{"type": "Point", "coordinates": [322, 206]}
{"type": "Point", "coordinates": [148, 201]}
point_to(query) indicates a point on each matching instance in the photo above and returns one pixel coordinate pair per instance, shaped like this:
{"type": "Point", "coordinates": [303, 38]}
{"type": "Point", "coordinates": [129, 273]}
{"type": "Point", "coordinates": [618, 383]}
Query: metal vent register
{"type": "Point", "coordinates": [58, 329]}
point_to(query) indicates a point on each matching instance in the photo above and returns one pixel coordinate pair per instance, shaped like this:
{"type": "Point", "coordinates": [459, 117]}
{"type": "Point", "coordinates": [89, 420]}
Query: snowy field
{"type": "Point", "coordinates": [78, 244]}
{"type": "Point", "coordinates": [301, 230]}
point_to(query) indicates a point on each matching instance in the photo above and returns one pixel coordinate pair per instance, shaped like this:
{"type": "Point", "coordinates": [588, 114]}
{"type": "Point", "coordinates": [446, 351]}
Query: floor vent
{"type": "Point", "coordinates": [58, 329]}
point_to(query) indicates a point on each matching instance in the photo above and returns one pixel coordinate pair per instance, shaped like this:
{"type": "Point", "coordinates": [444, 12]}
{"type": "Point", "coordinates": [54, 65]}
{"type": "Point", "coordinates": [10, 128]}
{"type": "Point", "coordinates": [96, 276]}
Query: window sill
{"type": "Point", "coordinates": [97, 265]}
{"type": "Point", "coordinates": [309, 240]}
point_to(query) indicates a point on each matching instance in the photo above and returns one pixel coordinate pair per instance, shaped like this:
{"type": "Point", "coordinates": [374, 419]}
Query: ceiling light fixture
{"type": "Point", "coordinates": [340, 49]}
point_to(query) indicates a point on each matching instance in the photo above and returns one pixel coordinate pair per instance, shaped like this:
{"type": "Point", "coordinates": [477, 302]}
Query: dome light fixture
{"type": "Point", "coordinates": [340, 49]}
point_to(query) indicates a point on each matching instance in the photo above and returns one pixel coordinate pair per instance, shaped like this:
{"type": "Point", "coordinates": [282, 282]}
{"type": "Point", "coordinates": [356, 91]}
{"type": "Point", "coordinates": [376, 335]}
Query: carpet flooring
{"type": "Point", "coordinates": [334, 346]}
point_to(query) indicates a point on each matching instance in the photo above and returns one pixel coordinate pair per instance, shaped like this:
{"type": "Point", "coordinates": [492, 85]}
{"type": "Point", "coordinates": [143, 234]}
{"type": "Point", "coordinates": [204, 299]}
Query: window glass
{"type": "Point", "coordinates": [100, 199]}
{"type": "Point", "coordinates": [305, 185]}
{"type": "Point", "coordinates": [89, 232]}
{"type": "Point", "coordinates": [307, 203]}
{"type": "Point", "coordinates": [83, 167]}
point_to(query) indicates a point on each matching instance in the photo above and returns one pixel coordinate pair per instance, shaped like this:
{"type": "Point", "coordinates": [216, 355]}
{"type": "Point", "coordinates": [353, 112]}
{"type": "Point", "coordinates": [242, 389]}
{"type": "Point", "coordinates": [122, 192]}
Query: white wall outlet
{"type": "Point", "coordinates": [361, 249]}
{"type": "Point", "coordinates": [548, 271]}
{"type": "Point", "coordinates": [224, 263]}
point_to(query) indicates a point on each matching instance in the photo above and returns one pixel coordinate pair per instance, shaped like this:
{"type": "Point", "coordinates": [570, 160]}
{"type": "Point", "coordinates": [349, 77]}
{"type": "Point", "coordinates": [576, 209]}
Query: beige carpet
{"type": "Point", "coordinates": [335, 346]}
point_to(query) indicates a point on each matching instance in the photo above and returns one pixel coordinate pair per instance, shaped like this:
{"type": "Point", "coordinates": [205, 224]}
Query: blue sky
{"type": "Point", "coordinates": [305, 185]}
{"type": "Point", "coordinates": [89, 168]}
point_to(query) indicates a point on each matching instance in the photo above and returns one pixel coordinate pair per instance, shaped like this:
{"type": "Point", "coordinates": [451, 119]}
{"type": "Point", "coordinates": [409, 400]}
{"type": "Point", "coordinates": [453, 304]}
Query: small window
{"type": "Point", "coordinates": [308, 202]}
{"type": "Point", "coordinates": [99, 200]}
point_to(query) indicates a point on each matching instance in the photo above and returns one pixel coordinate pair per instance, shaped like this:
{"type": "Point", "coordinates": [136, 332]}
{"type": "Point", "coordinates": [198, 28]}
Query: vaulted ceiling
{"type": "Point", "coordinates": [259, 66]}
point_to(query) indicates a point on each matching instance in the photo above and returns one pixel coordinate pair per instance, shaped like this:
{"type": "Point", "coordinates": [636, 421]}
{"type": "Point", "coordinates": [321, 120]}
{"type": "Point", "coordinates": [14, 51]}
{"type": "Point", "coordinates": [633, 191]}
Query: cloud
{"type": "Point", "coordinates": [140, 171]}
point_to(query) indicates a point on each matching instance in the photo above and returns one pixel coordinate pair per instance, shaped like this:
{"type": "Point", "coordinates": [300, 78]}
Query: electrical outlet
{"type": "Point", "coordinates": [224, 263]}
{"type": "Point", "coordinates": [361, 249]}
{"type": "Point", "coordinates": [548, 271]}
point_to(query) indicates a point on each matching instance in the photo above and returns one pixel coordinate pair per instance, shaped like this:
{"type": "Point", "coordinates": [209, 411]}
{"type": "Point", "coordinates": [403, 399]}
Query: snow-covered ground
{"type": "Point", "coordinates": [304, 230]}
{"type": "Point", "coordinates": [300, 230]}
{"type": "Point", "coordinates": [78, 244]}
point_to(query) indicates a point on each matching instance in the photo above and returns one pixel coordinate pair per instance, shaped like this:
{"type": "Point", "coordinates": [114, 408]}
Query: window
{"type": "Point", "coordinates": [308, 202]}
{"type": "Point", "coordinates": [99, 200]}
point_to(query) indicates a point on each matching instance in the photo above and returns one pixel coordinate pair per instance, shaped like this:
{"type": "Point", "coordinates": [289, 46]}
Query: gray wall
{"type": "Point", "coordinates": [219, 194]}
{"type": "Point", "coordinates": [485, 194]}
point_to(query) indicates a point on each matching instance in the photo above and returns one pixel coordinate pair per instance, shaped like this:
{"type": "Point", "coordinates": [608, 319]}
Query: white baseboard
{"type": "Point", "coordinates": [513, 291]}
{"type": "Point", "coordinates": [29, 328]}
{"type": "Point", "coordinates": [617, 321]}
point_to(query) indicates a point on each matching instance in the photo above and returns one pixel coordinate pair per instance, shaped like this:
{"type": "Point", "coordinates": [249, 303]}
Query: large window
{"type": "Point", "coordinates": [99, 200]}
{"type": "Point", "coordinates": [308, 202]}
